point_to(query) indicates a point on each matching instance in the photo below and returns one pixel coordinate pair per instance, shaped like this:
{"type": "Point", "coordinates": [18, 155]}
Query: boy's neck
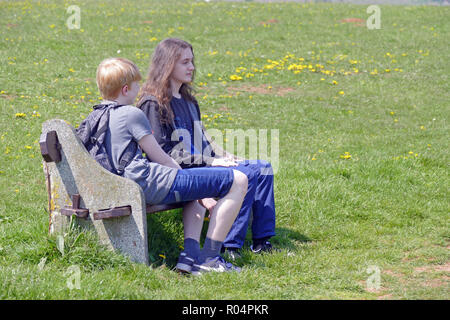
{"type": "Point", "coordinates": [122, 100]}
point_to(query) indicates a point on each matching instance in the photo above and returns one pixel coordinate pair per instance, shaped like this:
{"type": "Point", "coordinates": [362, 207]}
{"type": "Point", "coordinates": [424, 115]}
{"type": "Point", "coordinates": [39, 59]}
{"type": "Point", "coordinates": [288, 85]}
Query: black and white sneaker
{"type": "Point", "coordinates": [216, 264]}
{"type": "Point", "coordinates": [261, 247]}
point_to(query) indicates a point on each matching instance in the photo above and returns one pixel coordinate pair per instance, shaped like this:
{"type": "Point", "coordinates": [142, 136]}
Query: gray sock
{"type": "Point", "coordinates": [211, 249]}
{"type": "Point", "coordinates": [192, 248]}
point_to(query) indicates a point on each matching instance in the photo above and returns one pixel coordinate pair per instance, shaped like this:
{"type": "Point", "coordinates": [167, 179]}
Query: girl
{"type": "Point", "coordinates": [167, 100]}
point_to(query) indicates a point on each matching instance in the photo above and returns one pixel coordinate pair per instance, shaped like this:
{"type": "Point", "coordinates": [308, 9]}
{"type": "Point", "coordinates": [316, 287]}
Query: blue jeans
{"type": "Point", "coordinates": [259, 198]}
{"type": "Point", "coordinates": [199, 183]}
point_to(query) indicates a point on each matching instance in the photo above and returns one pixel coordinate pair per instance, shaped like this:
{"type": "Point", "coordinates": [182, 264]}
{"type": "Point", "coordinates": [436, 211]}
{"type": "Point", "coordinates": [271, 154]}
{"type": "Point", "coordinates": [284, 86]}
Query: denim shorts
{"type": "Point", "coordinates": [200, 183]}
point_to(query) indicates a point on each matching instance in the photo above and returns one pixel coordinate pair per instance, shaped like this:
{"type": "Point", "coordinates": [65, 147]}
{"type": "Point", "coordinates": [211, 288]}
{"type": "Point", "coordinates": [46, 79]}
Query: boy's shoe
{"type": "Point", "coordinates": [216, 264]}
{"type": "Point", "coordinates": [184, 263]}
{"type": "Point", "coordinates": [265, 246]}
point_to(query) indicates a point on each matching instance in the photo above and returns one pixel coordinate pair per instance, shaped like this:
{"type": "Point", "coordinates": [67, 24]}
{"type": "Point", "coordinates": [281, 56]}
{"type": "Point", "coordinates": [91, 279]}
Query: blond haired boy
{"type": "Point", "coordinates": [161, 178]}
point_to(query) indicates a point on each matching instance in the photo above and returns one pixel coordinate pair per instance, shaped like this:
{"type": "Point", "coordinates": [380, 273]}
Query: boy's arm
{"type": "Point", "coordinates": [154, 152]}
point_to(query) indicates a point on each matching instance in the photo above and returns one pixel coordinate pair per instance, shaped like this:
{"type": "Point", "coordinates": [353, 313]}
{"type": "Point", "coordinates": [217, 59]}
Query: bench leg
{"type": "Point", "coordinates": [127, 235]}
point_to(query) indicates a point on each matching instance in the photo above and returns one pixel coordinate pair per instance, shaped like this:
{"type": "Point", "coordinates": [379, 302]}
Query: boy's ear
{"type": "Point", "coordinates": [125, 89]}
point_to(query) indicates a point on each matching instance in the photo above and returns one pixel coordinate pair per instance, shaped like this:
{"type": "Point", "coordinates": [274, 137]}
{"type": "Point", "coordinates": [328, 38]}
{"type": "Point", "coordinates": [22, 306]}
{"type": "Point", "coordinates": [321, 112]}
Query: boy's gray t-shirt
{"type": "Point", "coordinates": [128, 123]}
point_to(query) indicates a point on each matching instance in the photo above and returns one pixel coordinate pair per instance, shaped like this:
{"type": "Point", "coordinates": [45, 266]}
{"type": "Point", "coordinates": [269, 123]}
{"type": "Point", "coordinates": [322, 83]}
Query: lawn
{"type": "Point", "coordinates": [362, 180]}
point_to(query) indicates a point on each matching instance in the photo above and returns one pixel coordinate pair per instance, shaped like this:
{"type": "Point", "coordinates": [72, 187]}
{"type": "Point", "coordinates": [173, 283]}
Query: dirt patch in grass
{"type": "Point", "coordinates": [9, 97]}
{"type": "Point", "coordinates": [436, 283]}
{"type": "Point", "coordinates": [263, 89]}
{"type": "Point", "coordinates": [356, 21]}
{"type": "Point", "coordinates": [434, 268]}
{"type": "Point", "coordinates": [271, 21]}
{"type": "Point", "coordinates": [431, 283]}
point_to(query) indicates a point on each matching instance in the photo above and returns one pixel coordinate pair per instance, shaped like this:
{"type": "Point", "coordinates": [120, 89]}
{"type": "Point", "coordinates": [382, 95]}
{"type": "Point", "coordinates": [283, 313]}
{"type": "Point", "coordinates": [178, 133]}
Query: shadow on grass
{"type": "Point", "coordinates": [287, 239]}
{"type": "Point", "coordinates": [165, 238]}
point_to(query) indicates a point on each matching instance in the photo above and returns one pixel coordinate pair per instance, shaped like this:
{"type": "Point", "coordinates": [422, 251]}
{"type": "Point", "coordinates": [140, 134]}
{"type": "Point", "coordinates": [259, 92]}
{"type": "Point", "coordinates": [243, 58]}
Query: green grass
{"type": "Point", "coordinates": [385, 206]}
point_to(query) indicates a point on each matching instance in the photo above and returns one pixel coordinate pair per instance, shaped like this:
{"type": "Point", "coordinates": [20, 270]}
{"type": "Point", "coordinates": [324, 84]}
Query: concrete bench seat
{"type": "Point", "coordinates": [78, 186]}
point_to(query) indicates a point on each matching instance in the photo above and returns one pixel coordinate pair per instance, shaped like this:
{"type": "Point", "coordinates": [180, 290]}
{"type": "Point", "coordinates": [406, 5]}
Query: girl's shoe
{"type": "Point", "coordinates": [261, 247]}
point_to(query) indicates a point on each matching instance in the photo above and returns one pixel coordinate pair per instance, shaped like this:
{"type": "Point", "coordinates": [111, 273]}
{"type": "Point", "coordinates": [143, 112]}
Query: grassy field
{"type": "Point", "coordinates": [362, 185]}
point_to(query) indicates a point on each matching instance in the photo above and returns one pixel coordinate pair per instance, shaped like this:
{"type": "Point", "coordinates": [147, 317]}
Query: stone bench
{"type": "Point", "coordinates": [78, 186]}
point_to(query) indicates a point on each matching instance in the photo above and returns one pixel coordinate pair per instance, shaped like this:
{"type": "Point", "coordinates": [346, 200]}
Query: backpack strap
{"type": "Point", "coordinates": [127, 156]}
{"type": "Point", "coordinates": [148, 97]}
{"type": "Point", "coordinates": [106, 108]}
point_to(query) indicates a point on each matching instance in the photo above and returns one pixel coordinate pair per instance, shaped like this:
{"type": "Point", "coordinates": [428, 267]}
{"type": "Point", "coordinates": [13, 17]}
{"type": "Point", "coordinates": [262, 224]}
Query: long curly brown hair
{"type": "Point", "coordinates": [157, 84]}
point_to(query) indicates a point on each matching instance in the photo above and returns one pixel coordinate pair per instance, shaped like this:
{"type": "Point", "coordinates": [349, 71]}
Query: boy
{"type": "Point", "coordinates": [161, 178]}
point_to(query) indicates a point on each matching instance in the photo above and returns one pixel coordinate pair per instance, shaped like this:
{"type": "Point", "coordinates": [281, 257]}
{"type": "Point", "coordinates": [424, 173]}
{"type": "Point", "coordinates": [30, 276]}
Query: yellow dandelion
{"type": "Point", "coordinates": [346, 155]}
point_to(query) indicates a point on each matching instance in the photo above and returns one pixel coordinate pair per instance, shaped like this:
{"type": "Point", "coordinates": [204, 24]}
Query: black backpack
{"type": "Point", "coordinates": [92, 132]}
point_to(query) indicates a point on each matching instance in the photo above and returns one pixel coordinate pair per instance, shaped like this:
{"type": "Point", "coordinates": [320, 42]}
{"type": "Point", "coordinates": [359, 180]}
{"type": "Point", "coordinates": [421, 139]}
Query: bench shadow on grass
{"type": "Point", "coordinates": [165, 238]}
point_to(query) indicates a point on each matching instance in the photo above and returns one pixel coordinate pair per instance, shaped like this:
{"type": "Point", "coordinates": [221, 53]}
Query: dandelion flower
{"type": "Point", "coordinates": [235, 77]}
{"type": "Point", "coordinates": [346, 155]}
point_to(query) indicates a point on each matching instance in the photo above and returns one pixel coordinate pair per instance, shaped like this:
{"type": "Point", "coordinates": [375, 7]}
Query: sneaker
{"type": "Point", "coordinates": [265, 246]}
{"type": "Point", "coordinates": [216, 264]}
{"type": "Point", "coordinates": [185, 263]}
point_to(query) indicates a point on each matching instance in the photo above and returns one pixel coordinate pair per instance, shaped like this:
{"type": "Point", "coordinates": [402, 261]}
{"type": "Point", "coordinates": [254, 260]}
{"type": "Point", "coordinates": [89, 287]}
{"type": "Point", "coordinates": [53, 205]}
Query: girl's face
{"type": "Point", "coordinates": [184, 68]}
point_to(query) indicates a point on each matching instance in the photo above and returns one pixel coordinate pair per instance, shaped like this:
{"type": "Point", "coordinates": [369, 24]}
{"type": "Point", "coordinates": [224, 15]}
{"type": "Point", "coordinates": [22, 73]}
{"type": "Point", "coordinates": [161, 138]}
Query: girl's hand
{"type": "Point", "coordinates": [223, 162]}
